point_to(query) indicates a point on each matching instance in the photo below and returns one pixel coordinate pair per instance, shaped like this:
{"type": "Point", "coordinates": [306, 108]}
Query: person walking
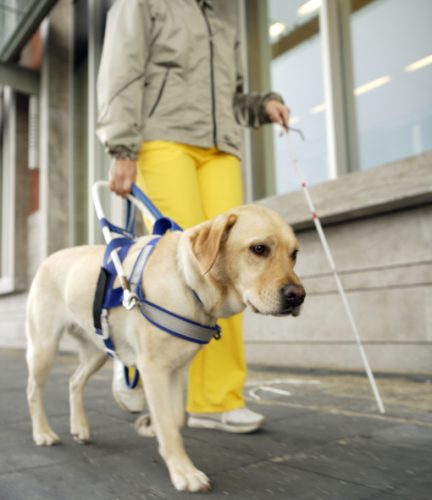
{"type": "Point", "coordinates": [171, 107]}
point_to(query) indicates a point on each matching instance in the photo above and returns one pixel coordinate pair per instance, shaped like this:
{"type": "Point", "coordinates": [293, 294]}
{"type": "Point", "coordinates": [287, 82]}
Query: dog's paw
{"type": "Point", "coordinates": [45, 438]}
{"type": "Point", "coordinates": [192, 480]}
{"type": "Point", "coordinates": [81, 434]}
{"type": "Point", "coordinates": [143, 426]}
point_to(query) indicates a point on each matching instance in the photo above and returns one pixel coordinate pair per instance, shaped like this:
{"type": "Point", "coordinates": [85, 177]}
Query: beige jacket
{"type": "Point", "coordinates": [170, 70]}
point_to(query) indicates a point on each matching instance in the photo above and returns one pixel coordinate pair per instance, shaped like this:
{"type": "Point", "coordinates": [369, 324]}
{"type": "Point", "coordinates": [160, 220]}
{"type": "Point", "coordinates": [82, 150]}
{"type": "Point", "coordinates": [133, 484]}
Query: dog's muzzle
{"type": "Point", "coordinates": [292, 297]}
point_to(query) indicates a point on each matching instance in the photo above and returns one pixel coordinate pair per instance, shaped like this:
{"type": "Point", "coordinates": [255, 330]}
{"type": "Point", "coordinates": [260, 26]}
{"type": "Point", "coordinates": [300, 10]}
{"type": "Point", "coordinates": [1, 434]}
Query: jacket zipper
{"type": "Point", "coordinates": [213, 93]}
{"type": "Point", "coordinates": [158, 98]}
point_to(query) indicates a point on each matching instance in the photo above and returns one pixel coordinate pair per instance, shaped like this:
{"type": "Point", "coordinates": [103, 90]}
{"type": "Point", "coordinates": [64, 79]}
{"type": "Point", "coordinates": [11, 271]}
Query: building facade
{"type": "Point", "coordinates": [357, 75]}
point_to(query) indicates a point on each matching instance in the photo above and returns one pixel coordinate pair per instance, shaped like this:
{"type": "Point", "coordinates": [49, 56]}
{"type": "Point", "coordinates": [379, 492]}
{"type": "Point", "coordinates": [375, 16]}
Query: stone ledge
{"type": "Point", "coordinates": [384, 358]}
{"type": "Point", "coordinates": [402, 184]}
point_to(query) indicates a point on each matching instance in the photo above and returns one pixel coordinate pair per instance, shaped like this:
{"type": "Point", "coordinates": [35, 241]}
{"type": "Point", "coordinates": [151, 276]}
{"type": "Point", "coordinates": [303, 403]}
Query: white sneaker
{"type": "Point", "coordinates": [239, 421]}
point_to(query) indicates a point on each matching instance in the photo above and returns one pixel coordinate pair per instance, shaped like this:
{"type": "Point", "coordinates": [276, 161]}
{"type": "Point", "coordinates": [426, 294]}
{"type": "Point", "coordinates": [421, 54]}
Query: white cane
{"type": "Point", "coordinates": [339, 285]}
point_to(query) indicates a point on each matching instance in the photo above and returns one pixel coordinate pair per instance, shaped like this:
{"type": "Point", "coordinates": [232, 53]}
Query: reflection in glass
{"type": "Point", "coordinates": [296, 73]}
{"type": "Point", "coordinates": [392, 62]}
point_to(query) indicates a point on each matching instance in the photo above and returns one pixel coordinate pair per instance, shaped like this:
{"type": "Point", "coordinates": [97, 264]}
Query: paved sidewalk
{"type": "Point", "coordinates": [323, 439]}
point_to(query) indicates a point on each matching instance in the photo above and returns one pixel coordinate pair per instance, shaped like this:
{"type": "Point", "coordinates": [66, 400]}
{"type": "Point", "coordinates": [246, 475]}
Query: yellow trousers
{"type": "Point", "coordinates": [190, 185]}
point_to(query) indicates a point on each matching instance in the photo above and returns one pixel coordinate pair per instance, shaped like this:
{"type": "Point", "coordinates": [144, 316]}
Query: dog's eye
{"type": "Point", "coordinates": [294, 255]}
{"type": "Point", "coordinates": [261, 250]}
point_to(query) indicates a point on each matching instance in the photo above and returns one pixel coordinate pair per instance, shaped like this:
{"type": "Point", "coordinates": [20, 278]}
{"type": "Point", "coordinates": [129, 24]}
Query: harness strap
{"type": "Point", "coordinates": [130, 217]}
{"type": "Point", "coordinates": [151, 207]}
{"type": "Point", "coordinates": [176, 325]}
{"type": "Point", "coordinates": [99, 298]}
{"type": "Point", "coordinates": [160, 317]}
{"type": "Point", "coordinates": [116, 229]}
{"type": "Point", "coordinates": [138, 268]}
{"type": "Point", "coordinates": [103, 332]}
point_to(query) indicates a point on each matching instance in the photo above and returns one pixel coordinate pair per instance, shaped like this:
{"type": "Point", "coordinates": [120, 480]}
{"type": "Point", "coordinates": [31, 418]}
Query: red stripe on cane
{"type": "Point", "coordinates": [314, 215]}
{"type": "Point", "coordinates": [303, 184]}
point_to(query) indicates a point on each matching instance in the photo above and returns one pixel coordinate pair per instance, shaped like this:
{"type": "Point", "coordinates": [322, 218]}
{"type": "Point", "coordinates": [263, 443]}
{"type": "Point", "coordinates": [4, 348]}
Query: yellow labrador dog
{"type": "Point", "coordinates": [243, 258]}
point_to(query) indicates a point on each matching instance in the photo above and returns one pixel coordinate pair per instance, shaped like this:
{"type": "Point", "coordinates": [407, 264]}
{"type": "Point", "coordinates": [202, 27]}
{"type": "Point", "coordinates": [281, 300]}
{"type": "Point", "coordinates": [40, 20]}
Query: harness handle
{"type": "Point", "coordinates": [130, 300]}
{"type": "Point", "coordinates": [107, 234]}
{"type": "Point", "coordinates": [135, 199]}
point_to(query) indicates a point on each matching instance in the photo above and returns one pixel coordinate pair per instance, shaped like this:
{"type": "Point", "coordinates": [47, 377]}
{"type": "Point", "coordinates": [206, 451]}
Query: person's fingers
{"type": "Point", "coordinates": [279, 113]}
{"type": "Point", "coordinates": [275, 116]}
{"type": "Point", "coordinates": [280, 117]}
{"type": "Point", "coordinates": [121, 176]}
{"type": "Point", "coordinates": [125, 188]}
{"type": "Point", "coordinates": [285, 116]}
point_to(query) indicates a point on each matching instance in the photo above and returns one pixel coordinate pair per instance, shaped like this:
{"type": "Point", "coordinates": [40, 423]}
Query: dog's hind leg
{"type": "Point", "coordinates": [91, 360]}
{"type": "Point", "coordinates": [41, 349]}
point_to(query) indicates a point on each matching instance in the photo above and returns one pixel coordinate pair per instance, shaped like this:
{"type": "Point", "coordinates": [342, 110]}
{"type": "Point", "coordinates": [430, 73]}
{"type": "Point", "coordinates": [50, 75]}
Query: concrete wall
{"type": "Point", "coordinates": [379, 227]}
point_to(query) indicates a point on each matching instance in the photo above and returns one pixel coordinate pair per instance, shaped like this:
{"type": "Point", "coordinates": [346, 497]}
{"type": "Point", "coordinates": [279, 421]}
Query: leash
{"type": "Point", "coordinates": [130, 294]}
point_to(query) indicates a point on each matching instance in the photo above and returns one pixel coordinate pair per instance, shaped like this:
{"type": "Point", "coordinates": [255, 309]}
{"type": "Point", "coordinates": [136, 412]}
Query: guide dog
{"type": "Point", "coordinates": [242, 258]}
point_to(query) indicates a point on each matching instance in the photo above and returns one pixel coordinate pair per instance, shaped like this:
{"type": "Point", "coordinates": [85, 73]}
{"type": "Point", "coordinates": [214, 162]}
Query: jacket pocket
{"type": "Point", "coordinates": [159, 96]}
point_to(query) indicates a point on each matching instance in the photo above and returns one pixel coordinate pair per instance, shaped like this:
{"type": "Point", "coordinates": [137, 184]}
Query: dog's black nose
{"type": "Point", "coordinates": [292, 296]}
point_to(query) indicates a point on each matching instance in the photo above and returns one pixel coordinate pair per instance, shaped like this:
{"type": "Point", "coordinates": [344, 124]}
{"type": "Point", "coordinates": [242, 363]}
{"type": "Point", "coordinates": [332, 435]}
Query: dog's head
{"type": "Point", "coordinates": [250, 253]}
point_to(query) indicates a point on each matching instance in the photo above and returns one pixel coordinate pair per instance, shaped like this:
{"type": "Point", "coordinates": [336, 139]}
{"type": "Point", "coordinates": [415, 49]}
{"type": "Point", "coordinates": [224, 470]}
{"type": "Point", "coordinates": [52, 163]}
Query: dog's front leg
{"type": "Point", "coordinates": [184, 475]}
{"type": "Point", "coordinates": [178, 396]}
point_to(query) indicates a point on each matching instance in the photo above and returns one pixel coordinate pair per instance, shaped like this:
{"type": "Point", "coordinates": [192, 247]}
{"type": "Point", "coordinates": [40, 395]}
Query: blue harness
{"type": "Point", "coordinates": [108, 297]}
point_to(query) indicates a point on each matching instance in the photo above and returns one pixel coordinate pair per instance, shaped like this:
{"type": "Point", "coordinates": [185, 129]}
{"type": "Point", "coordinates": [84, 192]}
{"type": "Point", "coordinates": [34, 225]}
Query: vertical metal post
{"type": "Point", "coordinates": [7, 263]}
{"type": "Point", "coordinates": [246, 135]}
{"type": "Point", "coordinates": [338, 86]}
{"type": "Point", "coordinates": [14, 195]}
{"type": "Point", "coordinates": [55, 130]}
{"type": "Point", "coordinates": [96, 160]}
{"type": "Point", "coordinates": [259, 57]}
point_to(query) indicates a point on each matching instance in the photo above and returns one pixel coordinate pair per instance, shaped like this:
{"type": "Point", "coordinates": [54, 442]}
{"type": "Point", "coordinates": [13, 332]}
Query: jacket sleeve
{"type": "Point", "coordinates": [249, 109]}
{"type": "Point", "coordinates": [120, 82]}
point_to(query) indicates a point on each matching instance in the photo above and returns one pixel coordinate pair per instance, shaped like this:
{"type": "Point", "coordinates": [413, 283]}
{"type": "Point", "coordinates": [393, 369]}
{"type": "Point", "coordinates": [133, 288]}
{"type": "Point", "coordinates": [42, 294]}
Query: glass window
{"type": "Point", "coordinates": [2, 236]}
{"type": "Point", "coordinates": [18, 19]}
{"type": "Point", "coordinates": [12, 13]}
{"type": "Point", "coordinates": [392, 64]}
{"type": "Point", "coordinates": [296, 73]}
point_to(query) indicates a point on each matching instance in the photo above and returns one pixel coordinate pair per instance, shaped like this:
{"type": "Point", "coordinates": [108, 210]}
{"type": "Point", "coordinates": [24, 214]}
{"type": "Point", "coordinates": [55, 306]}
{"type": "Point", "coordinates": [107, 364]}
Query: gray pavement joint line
{"type": "Point", "coordinates": [337, 478]}
{"type": "Point", "coordinates": [288, 419]}
{"type": "Point", "coordinates": [337, 411]}
{"type": "Point", "coordinates": [268, 461]}
{"type": "Point", "coordinates": [35, 467]}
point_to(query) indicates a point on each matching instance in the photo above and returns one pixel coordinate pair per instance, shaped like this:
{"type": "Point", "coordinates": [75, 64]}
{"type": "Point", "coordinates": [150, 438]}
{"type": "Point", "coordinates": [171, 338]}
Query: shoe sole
{"type": "Point", "coordinates": [197, 423]}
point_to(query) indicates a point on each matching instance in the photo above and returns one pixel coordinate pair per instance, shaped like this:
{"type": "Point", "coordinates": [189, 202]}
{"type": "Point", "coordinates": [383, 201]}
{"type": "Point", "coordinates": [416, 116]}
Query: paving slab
{"type": "Point", "coordinates": [323, 439]}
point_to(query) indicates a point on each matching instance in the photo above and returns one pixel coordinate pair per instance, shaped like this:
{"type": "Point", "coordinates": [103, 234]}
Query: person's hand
{"type": "Point", "coordinates": [278, 113]}
{"type": "Point", "coordinates": [122, 175]}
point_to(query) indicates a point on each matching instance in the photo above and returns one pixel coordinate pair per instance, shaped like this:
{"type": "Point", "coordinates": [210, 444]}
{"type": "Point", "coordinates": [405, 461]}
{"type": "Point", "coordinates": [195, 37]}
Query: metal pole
{"type": "Point", "coordinates": [339, 285]}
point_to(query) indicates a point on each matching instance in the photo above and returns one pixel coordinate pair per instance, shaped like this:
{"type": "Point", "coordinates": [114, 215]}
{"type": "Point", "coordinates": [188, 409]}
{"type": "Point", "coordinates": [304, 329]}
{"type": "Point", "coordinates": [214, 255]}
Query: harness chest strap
{"type": "Point", "coordinates": [162, 318]}
{"type": "Point", "coordinates": [167, 321]}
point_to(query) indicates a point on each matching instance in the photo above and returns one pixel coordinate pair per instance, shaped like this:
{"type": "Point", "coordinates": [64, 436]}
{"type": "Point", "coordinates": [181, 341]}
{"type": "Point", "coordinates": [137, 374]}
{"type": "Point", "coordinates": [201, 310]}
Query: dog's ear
{"type": "Point", "coordinates": [207, 241]}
